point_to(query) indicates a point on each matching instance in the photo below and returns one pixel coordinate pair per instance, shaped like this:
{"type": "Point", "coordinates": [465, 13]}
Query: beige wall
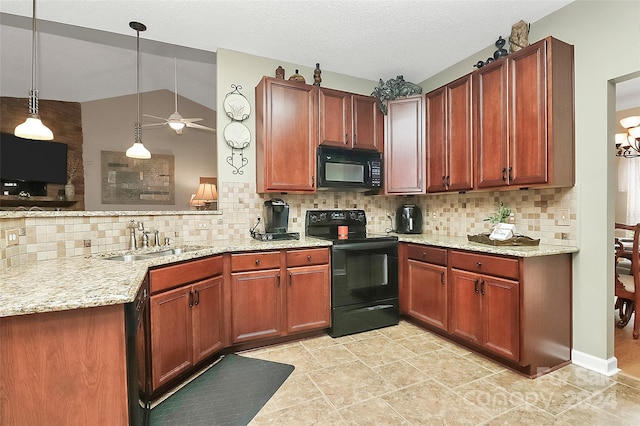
{"type": "Point", "coordinates": [108, 125]}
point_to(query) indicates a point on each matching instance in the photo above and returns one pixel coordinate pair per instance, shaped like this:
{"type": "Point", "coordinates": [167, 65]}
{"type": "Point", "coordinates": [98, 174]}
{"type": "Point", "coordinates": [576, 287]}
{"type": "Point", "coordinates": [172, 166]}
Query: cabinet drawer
{"type": "Point", "coordinates": [183, 273]}
{"type": "Point", "coordinates": [485, 264]}
{"type": "Point", "coordinates": [255, 261]}
{"type": "Point", "coordinates": [307, 257]}
{"type": "Point", "coordinates": [427, 254]}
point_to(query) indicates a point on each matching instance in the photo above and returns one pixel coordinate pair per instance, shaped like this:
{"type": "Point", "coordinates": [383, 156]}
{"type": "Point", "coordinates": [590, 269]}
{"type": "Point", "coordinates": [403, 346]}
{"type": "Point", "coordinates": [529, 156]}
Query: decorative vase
{"type": "Point", "coordinates": [70, 191]}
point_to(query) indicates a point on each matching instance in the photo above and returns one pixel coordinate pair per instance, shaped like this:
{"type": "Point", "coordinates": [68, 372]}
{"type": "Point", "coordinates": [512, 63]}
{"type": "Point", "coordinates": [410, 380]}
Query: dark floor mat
{"type": "Point", "coordinates": [229, 393]}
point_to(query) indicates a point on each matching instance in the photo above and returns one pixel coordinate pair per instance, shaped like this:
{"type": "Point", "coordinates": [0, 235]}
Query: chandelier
{"type": "Point", "coordinates": [628, 144]}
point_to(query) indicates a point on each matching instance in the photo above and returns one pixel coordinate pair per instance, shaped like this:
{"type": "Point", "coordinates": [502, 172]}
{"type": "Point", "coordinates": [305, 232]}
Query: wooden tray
{"type": "Point", "coordinates": [518, 240]}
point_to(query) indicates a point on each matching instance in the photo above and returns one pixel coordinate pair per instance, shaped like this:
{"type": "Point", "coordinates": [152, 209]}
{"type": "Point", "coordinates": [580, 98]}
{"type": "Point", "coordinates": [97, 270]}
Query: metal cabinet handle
{"type": "Point", "coordinates": [510, 175]}
{"type": "Point", "coordinates": [190, 298]}
{"type": "Point", "coordinates": [290, 278]}
{"type": "Point", "coordinates": [442, 277]}
{"type": "Point", "coordinates": [257, 261]}
{"type": "Point", "coordinates": [278, 280]}
{"type": "Point", "coordinates": [504, 174]}
{"type": "Point", "coordinates": [197, 298]}
{"type": "Point", "coordinates": [309, 258]}
{"type": "Point", "coordinates": [475, 287]}
{"type": "Point", "coordinates": [448, 181]}
{"type": "Point", "coordinates": [479, 264]}
{"type": "Point", "coordinates": [482, 287]}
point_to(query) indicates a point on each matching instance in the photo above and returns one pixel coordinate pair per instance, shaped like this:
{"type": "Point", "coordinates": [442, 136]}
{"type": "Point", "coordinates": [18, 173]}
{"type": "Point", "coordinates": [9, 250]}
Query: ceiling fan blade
{"type": "Point", "coordinates": [153, 116]}
{"type": "Point", "coordinates": [153, 125]}
{"type": "Point", "coordinates": [201, 127]}
{"type": "Point", "coordinates": [190, 120]}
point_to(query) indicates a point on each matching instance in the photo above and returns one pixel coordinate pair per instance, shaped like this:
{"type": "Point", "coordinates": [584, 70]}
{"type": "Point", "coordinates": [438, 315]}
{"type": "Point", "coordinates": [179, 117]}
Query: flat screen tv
{"type": "Point", "coordinates": [32, 161]}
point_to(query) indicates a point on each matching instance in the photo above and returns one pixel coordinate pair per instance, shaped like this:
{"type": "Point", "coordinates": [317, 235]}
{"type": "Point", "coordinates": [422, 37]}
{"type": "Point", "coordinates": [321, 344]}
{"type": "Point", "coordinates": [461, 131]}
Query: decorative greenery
{"type": "Point", "coordinates": [501, 216]}
{"type": "Point", "coordinates": [392, 89]}
{"type": "Point", "coordinates": [72, 169]}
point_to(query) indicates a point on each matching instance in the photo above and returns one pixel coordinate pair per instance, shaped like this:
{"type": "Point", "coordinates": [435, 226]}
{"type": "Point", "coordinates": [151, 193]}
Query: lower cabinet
{"type": "Point", "coordinates": [187, 323]}
{"type": "Point", "coordinates": [516, 309]}
{"type": "Point", "coordinates": [484, 310]}
{"type": "Point", "coordinates": [426, 294]}
{"type": "Point", "coordinates": [278, 293]}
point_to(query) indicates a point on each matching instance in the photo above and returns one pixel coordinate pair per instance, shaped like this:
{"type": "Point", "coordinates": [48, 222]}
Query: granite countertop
{"type": "Point", "coordinates": [91, 281]}
{"type": "Point", "coordinates": [463, 244]}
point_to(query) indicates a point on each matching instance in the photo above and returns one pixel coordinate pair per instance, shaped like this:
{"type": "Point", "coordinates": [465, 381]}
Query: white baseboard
{"type": "Point", "coordinates": [608, 367]}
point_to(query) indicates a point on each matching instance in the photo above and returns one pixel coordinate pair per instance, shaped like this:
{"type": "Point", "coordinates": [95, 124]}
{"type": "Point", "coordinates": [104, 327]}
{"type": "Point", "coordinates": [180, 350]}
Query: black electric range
{"type": "Point", "coordinates": [364, 271]}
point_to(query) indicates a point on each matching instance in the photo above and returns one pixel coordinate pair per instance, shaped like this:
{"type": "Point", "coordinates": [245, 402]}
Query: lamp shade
{"type": "Point", "coordinates": [32, 128]}
{"type": "Point", "coordinates": [635, 132]}
{"type": "Point", "coordinates": [207, 192]}
{"type": "Point", "coordinates": [632, 121]}
{"type": "Point", "coordinates": [137, 150]}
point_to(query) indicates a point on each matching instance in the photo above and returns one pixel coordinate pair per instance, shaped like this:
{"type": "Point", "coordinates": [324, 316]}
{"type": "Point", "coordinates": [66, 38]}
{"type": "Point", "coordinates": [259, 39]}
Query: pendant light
{"type": "Point", "coordinates": [137, 150]}
{"type": "Point", "coordinates": [33, 128]}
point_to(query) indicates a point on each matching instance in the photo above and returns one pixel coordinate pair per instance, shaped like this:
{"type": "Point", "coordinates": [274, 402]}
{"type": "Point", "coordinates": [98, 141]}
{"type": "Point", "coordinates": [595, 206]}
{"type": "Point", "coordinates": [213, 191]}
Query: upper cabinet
{"type": "Point", "coordinates": [523, 118]}
{"type": "Point", "coordinates": [449, 137]}
{"type": "Point", "coordinates": [404, 146]}
{"type": "Point", "coordinates": [286, 129]}
{"type": "Point", "coordinates": [349, 121]}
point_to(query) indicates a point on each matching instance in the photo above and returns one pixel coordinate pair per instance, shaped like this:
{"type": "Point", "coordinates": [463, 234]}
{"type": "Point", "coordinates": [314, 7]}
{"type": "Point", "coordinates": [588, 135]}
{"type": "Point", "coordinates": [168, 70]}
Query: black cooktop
{"type": "Point", "coordinates": [341, 226]}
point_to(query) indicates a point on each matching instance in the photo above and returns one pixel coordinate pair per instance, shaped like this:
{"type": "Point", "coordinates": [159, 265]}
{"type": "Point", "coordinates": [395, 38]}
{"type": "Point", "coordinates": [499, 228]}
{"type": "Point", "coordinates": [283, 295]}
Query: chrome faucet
{"type": "Point", "coordinates": [156, 238]}
{"type": "Point", "coordinates": [133, 245]}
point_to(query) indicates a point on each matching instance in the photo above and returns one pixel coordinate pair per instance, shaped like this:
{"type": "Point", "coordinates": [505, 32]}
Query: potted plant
{"type": "Point", "coordinates": [501, 216]}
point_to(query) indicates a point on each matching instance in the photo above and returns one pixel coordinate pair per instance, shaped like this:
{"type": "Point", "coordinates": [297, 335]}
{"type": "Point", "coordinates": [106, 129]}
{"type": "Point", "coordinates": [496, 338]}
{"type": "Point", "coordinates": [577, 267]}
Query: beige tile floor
{"type": "Point", "coordinates": [404, 375]}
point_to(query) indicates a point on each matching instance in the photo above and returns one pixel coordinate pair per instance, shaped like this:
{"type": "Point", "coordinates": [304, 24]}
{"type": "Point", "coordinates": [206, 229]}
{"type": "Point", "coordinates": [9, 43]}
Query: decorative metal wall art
{"type": "Point", "coordinates": [236, 134]}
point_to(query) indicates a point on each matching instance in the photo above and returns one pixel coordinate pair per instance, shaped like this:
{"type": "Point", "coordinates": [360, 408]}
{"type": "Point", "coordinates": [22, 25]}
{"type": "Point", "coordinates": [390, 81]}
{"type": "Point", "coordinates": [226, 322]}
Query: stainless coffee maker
{"type": "Point", "coordinates": [276, 216]}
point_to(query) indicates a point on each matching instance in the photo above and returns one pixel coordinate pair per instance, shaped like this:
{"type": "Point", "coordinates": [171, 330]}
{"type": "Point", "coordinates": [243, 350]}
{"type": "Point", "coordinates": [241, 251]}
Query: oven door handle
{"type": "Point", "coordinates": [366, 245]}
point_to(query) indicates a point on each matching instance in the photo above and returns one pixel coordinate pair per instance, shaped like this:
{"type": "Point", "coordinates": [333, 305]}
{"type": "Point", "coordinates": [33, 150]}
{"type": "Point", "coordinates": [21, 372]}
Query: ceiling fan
{"type": "Point", "coordinates": [175, 120]}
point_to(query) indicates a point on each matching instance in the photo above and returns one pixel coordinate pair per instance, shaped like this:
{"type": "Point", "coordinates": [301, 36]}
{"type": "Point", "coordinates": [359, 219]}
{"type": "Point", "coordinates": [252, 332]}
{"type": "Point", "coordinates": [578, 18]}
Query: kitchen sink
{"type": "Point", "coordinates": [152, 254]}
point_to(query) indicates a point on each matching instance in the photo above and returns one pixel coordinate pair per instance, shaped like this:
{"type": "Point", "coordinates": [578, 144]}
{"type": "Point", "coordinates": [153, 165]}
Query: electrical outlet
{"type": "Point", "coordinates": [512, 217]}
{"type": "Point", "coordinates": [12, 236]}
{"type": "Point", "coordinates": [203, 225]}
{"type": "Point", "coordinates": [564, 217]}
{"type": "Point", "coordinates": [86, 243]}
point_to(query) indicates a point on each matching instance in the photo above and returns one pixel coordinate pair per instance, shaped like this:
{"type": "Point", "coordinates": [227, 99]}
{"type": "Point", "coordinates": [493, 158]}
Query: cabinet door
{"type": "Point", "coordinates": [308, 298]}
{"type": "Point", "coordinates": [255, 305]}
{"type": "Point", "coordinates": [208, 324]}
{"type": "Point", "coordinates": [436, 131]}
{"type": "Point", "coordinates": [171, 334]}
{"type": "Point", "coordinates": [490, 124]}
{"type": "Point", "coordinates": [335, 118]}
{"type": "Point", "coordinates": [286, 136]}
{"type": "Point", "coordinates": [500, 316]}
{"type": "Point", "coordinates": [459, 135]}
{"type": "Point", "coordinates": [404, 150]}
{"type": "Point", "coordinates": [528, 115]}
{"type": "Point", "coordinates": [427, 293]}
{"type": "Point", "coordinates": [368, 123]}
{"type": "Point", "coordinates": [465, 315]}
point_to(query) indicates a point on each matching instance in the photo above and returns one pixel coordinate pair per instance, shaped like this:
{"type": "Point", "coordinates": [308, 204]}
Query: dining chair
{"type": "Point", "coordinates": [627, 277]}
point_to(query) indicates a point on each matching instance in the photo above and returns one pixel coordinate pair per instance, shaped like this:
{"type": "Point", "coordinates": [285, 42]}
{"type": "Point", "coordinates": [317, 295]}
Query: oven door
{"type": "Point", "coordinates": [364, 272]}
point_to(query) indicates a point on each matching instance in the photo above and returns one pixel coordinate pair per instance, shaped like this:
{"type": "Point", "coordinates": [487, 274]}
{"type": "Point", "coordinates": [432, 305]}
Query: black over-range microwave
{"type": "Point", "coordinates": [349, 169]}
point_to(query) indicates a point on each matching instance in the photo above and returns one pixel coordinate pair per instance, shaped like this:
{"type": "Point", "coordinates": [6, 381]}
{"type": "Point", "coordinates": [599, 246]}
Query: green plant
{"type": "Point", "coordinates": [392, 89]}
{"type": "Point", "coordinates": [501, 216]}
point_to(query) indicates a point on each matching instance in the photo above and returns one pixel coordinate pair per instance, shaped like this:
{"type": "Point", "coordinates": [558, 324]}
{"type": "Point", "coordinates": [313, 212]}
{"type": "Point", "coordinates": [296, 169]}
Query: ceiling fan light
{"type": "Point", "coordinates": [628, 122]}
{"type": "Point", "coordinates": [138, 150]}
{"type": "Point", "coordinates": [176, 125]}
{"type": "Point", "coordinates": [32, 128]}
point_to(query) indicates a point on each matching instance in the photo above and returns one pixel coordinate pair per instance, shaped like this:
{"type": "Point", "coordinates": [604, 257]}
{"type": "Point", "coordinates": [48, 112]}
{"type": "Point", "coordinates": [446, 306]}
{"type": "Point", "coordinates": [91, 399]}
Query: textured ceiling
{"type": "Point", "coordinates": [369, 39]}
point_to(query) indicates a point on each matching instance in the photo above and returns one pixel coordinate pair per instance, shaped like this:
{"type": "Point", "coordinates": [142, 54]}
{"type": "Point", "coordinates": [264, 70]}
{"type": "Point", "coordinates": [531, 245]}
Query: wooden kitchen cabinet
{"type": "Point", "coordinates": [277, 293]}
{"type": "Point", "coordinates": [308, 290]}
{"type": "Point", "coordinates": [187, 321]}
{"type": "Point", "coordinates": [484, 311]}
{"type": "Point", "coordinates": [449, 137]}
{"type": "Point", "coordinates": [286, 129]}
{"type": "Point", "coordinates": [404, 146]}
{"type": "Point", "coordinates": [426, 296]}
{"type": "Point", "coordinates": [523, 118]}
{"type": "Point", "coordinates": [349, 120]}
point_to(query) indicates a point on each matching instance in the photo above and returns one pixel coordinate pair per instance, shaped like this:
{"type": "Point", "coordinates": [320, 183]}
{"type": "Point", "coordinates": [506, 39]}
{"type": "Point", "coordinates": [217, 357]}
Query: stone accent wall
{"type": "Point", "coordinates": [65, 121]}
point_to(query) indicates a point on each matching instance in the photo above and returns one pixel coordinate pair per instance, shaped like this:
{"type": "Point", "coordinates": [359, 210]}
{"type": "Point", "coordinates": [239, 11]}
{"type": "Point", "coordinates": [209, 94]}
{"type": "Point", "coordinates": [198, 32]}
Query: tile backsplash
{"type": "Point", "coordinates": [52, 235]}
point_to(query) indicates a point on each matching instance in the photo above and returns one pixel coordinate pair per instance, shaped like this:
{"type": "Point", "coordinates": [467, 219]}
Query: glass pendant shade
{"type": "Point", "coordinates": [628, 122]}
{"type": "Point", "coordinates": [32, 128]}
{"type": "Point", "coordinates": [176, 125]}
{"type": "Point", "coordinates": [137, 150]}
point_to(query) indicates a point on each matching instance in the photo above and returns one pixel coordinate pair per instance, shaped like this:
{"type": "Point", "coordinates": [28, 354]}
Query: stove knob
{"type": "Point", "coordinates": [313, 218]}
{"type": "Point", "coordinates": [361, 217]}
{"type": "Point", "coordinates": [352, 216]}
{"type": "Point", "coordinates": [323, 217]}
